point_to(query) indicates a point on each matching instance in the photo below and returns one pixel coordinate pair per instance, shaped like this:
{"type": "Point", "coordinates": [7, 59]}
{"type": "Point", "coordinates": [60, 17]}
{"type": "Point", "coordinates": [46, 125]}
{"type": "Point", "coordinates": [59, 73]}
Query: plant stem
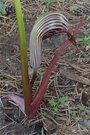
{"type": "Point", "coordinates": [44, 83]}
{"type": "Point", "coordinates": [27, 91]}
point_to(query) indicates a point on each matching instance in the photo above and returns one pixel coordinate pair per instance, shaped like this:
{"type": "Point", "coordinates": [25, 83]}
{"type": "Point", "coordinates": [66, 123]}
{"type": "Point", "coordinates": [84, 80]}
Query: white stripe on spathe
{"type": "Point", "coordinates": [44, 24]}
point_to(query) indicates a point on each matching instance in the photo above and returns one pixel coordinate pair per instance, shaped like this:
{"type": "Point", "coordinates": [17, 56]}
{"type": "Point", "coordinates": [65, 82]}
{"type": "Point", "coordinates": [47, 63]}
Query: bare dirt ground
{"type": "Point", "coordinates": [70, 79]}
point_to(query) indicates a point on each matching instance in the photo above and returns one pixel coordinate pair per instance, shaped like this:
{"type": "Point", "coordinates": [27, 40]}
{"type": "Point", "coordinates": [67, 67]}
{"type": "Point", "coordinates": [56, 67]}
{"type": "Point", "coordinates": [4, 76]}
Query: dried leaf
{"type": "Point", "coordinates": [75, 77]}
{"type": "Point", "coordinates": [19, 101]}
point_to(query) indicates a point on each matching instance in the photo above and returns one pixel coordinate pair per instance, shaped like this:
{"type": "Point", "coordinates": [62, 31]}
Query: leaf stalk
{"type": "Point", "coordinates": [27, 90]}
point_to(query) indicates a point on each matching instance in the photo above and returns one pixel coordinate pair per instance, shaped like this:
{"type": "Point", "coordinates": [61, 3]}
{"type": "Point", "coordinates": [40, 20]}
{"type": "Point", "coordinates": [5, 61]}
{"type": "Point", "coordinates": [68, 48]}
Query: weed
{"type": "Point", "coordinates": [72, 113]}
{"type": "Point", "coordinates": [88, 17]}
{"type": "Point", "coordinates": [52, 102]}
{"type": "Point", "coordinates": [55, 103]}
{"type": "Point", "coordinates": [82, 108]}
{"type": "Point", "coordinates": [62, 100]}
{"type": "Point", "coordinates": [47, 3]}
{"type": "Point", "coordinates": [40, 72]}
{"type": "Point", "coordinates": [85, 40]}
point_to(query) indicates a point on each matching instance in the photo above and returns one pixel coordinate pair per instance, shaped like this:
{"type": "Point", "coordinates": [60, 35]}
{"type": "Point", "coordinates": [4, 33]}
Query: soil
{"type": "Point", "coordinates": [69, 119]}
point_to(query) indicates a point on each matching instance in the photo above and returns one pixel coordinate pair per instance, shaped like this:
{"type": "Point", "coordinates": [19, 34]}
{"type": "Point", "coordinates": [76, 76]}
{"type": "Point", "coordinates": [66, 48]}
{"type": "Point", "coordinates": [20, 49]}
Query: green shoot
{"type": "Point", "coordinates": [47, 3]}
{"type": "Point", "coordinates": [62, 100]}
{"type": "Point", "coordinates": [82, 108]}
{"type": "Point", "coordinates": [24, 61]}
{"type": "Point", "coordinates": [55, 103]}
{"type": "Point", "coordinates": [85, 40]}
{"type": "Point", "coordinates": [52, 103]}
{"type": "Point", "coordinates": [88, 17]}
{"type": "Point", "coordinates": [72, 113]}
{"type": "Point", "coordinates": [55, 109]}
{"type": "Point", "coordinates": [40, 72]}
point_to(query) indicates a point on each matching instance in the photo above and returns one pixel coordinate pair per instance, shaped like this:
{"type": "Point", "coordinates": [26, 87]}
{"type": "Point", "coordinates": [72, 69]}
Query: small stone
{"type": "Point", "coordinates": [86, 123]}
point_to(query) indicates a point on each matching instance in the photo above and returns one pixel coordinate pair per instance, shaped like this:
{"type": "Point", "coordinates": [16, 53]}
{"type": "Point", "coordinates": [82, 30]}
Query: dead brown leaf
{"type": "Point", "coordinates": [75, 77]}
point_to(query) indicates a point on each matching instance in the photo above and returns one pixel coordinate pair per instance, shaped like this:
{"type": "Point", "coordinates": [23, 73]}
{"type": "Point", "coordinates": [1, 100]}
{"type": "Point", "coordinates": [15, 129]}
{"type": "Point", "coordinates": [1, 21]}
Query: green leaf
{"type": "Point", "coordinates": [55, 109]}
{"type": "Point", "coordinates": [40, 72]}
{"type": "Point", "coordinates": [72, 114]}
{"type": "Point", "coordinates": [79, 40]}
{"type": "Point", "coordinates": [85, 40]}
{"type": "Point", "coordinates": [62, 100]}
{"type": "Point", "coordinates": [88, 17]}
{"type": "Point", "coordinates": [47, 3]}
{"type": "Point", "coordinates": [52, 103]}
{"type": "Point", "coordinates": [82, 108]}
{"type": "Point", "coordinates": [88, 43]}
